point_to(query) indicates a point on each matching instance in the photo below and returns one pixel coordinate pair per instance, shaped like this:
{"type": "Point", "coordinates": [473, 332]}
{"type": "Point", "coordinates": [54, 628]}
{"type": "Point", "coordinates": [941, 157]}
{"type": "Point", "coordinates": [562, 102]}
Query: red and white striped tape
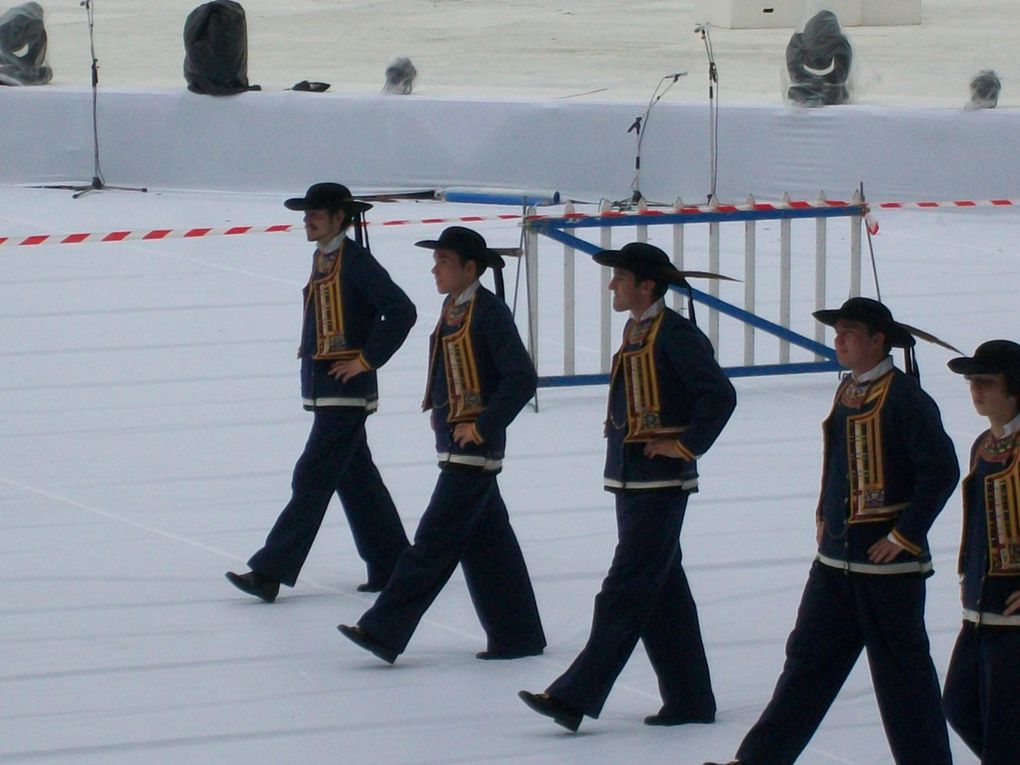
{"type": "Point", "coordinates": [34, 240]}
{"type": "Point", "coordinates": [150, 235]}
{"type": "Point", "coordinates": [957, 204]}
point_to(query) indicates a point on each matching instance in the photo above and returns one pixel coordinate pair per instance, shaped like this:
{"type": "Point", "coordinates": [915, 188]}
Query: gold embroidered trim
{"type": "Point", "coordinates": [328, 313]}
{"type": "Point", "coordinates": [463, 384]}
{"type": "Point", "coordinates": [641, 384]}
{"type": "Point", "coordinates": [864, 453]}
{"type": "Point", "coordinates": [1002, 508]}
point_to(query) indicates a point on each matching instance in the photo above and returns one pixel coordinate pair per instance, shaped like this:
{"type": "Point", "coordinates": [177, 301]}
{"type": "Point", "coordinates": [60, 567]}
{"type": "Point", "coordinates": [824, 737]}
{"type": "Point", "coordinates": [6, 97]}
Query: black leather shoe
{"type": "Point", "coordinates": [255, 584]}
{"type": "Point", "coordinates": [508, 655]}
{"type": "Point", "coordinates": [561, 713]}
{"type": "Point", "coordinates": [371, 587]}
{"type": "Point", "coordinates": [664, 718]}
{"type": "Point", "coordinates": [361, 638]}
{"type": "Point", "coordinates": [731, 762]}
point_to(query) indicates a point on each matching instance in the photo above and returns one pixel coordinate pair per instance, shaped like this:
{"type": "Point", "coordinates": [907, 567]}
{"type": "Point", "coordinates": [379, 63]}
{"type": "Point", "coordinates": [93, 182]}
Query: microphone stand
{"type": "Point", "coordinates": [98, 183]}
{"type": "Point", "coordinates": [636, 127]}
{"type": "Point", "coordinates": [713, 109]}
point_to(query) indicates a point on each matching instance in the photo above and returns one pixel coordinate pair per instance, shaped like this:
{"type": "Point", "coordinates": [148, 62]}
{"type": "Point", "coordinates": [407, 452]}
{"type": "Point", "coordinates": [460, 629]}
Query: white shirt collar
{"type": "Point", "coordinates": [876, 371]}
{"type": "Point", "coordinates": [1012, 426]}
{"type": "Point", "coordinates": [653, 310]}
{"type": "Point", "coordinates": [333, 246]}
{"type": "Point", "coordinates": [468, 293]}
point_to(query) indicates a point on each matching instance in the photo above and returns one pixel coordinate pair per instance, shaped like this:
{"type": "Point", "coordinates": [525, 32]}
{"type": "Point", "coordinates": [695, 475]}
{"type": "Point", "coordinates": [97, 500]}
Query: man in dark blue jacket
{"type": "Point", "coordinates": [479, 377]}
{"type": "Point", "coordinates": [668, 402]}
{"type": "Point", "coordinates": [981, 696]}
{"type": "Point", "coordinates": [887, 471]}
{"type": "Point", "coordinates": [355, 319]}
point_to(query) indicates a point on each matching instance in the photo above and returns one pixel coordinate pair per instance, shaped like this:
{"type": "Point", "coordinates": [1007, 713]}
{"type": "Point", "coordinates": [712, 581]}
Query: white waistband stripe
{"type": "Point", "coordinates": [990, 619]}
{"type": "Point", "coordinates": [686, 484]}
{"type": "Point", "coordinates": [445, 458]}
{"type": "Point", "coordinates": [322, 401]}
{"type": "Point", "coordinates": [911, 567]}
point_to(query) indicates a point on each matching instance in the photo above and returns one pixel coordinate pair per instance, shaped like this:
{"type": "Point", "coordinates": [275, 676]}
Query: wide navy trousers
{"type": "Point", "coordinates": [982, 693]}
{"type": "Point", "coordinates": [336, 459]}
{"type": "Point", "coordinates": [644, 596]}
{"type": "Point", "coordinates": [840, 615]}
{"type": "Point", "coordinates": [466, 522]}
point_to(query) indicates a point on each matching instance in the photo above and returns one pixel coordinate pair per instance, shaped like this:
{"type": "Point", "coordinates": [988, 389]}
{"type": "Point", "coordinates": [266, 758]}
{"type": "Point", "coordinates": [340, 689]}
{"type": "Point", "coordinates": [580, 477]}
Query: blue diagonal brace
{"type": "Point", "coordinates": [712, 302]}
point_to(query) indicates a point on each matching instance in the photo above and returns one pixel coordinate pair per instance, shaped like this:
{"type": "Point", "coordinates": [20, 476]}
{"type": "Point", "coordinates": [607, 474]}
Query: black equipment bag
{"type": "Point", "coordinates": [216, 49]}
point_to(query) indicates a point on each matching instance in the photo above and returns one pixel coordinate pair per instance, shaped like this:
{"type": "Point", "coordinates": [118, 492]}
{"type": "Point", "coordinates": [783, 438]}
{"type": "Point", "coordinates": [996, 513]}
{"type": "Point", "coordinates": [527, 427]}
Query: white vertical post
{"type": "Point", "coordinates": [568, 301]}
{"type": "Point", "coordinates": [713, 284]}
{"type": "Point", "coordinates": [531, 280]}
{"type": "Point", "coordinates": [785, 269]}
{"type": "Point", "coordinates": [749, 285]}
{"type": "Point", "coordinates": [820, 273]}
{"type": "Point", "coordinates": [678, 257]}
{"type": "Point", "coordinates": [606, 317]}
{"type": "Point", "coordinates": [855, 249]}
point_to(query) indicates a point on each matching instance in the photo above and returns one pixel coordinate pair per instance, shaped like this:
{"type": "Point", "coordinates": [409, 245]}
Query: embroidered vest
{"type": "Point", "coordinates": [463, 385]}
{"type": "Point", "coordinates": [1002, 507]}
{"type": "Point", "coordinates": [324, 296]}
{"type": "Point", "coordinates": [640, 383]}
{"type": "Point", "coordinates": [865, 465]}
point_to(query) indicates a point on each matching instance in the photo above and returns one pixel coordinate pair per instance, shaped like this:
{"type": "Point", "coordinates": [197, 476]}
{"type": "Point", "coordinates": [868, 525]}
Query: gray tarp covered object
{"type": "Point", "coordinates": [23, 46]}
{"type": "Point", "coordinates": [818, 62]}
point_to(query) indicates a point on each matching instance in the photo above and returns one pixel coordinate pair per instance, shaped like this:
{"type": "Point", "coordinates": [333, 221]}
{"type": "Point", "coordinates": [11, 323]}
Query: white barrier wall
{"type": "Point", "coordinates": [279, 142]}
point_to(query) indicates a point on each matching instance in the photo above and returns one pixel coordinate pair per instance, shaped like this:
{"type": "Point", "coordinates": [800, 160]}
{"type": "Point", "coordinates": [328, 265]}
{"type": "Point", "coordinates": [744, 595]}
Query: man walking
{"type": "Point", "coordinates": [980, 697]}
{"type": "Point", "coordinates": [479, 377]}
{"type": "Point", "coordinates": [355, 319]}
{"type": "Point", "coordinates": [888, 469]}
{"type": "Point", "coordinates": [668, 402]}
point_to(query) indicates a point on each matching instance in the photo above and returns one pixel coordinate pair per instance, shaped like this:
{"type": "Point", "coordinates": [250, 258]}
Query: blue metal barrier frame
{"type": "Point", "coordinates": [613, 220]}
{"type": "Point", "coordinates": [553, 228]}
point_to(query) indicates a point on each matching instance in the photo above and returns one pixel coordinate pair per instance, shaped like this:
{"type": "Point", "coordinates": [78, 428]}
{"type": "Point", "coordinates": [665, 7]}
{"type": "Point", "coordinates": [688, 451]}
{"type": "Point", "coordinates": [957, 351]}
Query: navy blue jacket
{"type": "Point", "coordinates": [377, 318]}
{"type": "Point", "coordinates": [984, 593]}
{"type": "Point", "coordinates": [916, 469]}
{"type": "Point", "coordinates": [694, 395]}
{"type": "Point", "coordinates": [506, 375]}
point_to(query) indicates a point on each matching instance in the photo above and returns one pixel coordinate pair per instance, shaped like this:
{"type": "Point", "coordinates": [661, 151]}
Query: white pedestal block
{"type": "Point", "coordinates": [773, 14]}
{"type": "Point", "coordinates": [888, 13]}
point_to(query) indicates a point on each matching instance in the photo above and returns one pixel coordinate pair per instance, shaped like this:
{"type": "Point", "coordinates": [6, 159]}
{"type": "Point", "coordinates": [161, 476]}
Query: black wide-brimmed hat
{"type": "Point", "coordinates": [327, 196]}
{"type": "Point", "coordinates": [873, 314]}
{"type": "Point", "coordinates": [468, 243]}
{"type": "Point", "coordinates": [646, 261]}
{"type": "Point", "coordinates": [991, 358]}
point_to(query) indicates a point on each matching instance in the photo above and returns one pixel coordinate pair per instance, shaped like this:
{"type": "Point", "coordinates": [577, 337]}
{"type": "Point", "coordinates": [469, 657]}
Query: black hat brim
{"type": "Point", "coordinates": [967, 365]}
{"type": "Point", "coordinates": [897, 336]}
{"type": "Point", "coordinates": [486, 257]}
{"type": "Point", "coordinates": [993, 357]}
{"type": "Point", "coordinates": [661, 274]}
{"type": "Point", "coordinates": [301, 204]}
